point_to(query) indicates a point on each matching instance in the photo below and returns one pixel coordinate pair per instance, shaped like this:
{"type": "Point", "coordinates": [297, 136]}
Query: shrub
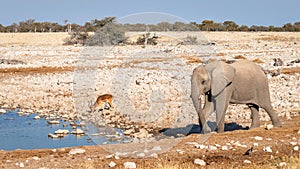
{"type": "Point", "coordinates": [190, 40]}
{"type": "Point", "coordinates": [110, 34]}
{"type": "Point", "coordinates": [76, 38]}
{"type": "Point", "coordinates": [150, 40]}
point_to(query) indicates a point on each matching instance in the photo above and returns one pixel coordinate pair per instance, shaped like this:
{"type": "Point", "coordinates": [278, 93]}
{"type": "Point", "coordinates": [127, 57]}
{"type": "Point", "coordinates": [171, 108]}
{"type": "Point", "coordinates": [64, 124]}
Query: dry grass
{"type": "Point", "coordinates": [279, 38]}
{"type": "Point", "coordinates": [257, 60]}
{"type": "Point", "coordinates": [33, 39]}
{"type": "Point", "coordinates": [291, 70]}
{"type": "Point", "coordinates": [239, 57]}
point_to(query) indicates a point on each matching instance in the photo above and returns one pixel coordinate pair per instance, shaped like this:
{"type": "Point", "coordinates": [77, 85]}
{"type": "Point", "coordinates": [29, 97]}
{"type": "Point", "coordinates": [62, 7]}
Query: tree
{"type": "Point", "coordinates": [230, 26]}
{"type": "Point", "coordinates": [111, 34]}
{"type": "Point", "coordinates": [207, 25]}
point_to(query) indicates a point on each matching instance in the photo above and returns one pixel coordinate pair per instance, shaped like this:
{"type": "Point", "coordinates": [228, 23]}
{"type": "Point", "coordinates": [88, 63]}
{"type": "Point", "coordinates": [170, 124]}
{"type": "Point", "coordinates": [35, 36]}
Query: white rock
{"type": "Point", "coordinates": [268, 139]}
{"type": "Point", "coordinates": [129, 165]}
{"type": "Point", "coordinates": [199, 162]}
{"type": "Point", "coordinates": [269, 126]}
{"type": "Point", "coordinates": [224, 148]}
{"type": "Point", "coordinates": [154, 155]}
{"type": "Point", "coordinates": [35, 158]}
{"type": "Point", "coordinates": [140, 155]}
{"type": "Point", "coordinates": [53, 122]}
{"type": "Point", "coordinates": [293, 143]}
{"type": "Point", "coordinates": [296, 148]}
{"type": "Point", "coordinates": [255, 144]}
{"type": "Point", "coordinates": [112, 164]}
{"type": "Point", "coordinates": [2, 111]}
{"type": "Point", "coordinates": [180, 151]}
{"type": "Point", "coordinates": [62, 131]}
{"type": "Point", "coordinates": [200, 146]}
{"type": "Point", "coordinates": [212, 148]}
{"type": "Point", "coordinates": [78, 132]}
{"type": "Point", "coordinates": [36, 117]}
{"type": "Point", "coordinates": [247, 161]}
{"type": "Point", "coordinates": [117, 157]}
{"type": "Point", "coordinates": [77, 151]}
{"type": "Point", "coordinates": [109, 156]}
{"type": "Point", "coordinates": [282, 164]}
{"type": "Point", "coordinates": [267, 149]}
{"type": "Point", "coordinates": [258, 138]}
{"type": "Point", "coordinates": [156, 148]}
{"type": "Point", "coordinates": [298, 131]}
{"type": "Point", "coordinates": [22, 165]}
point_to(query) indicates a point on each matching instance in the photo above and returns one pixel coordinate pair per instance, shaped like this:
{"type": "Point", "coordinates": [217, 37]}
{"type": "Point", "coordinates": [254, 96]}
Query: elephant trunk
{"type": "Point", "coordinates": [195, 95]}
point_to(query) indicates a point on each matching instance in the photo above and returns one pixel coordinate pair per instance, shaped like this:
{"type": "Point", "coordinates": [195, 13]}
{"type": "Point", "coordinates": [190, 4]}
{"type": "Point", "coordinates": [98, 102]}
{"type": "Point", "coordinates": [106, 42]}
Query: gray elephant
{"type": "Point", "coordinates": [242, 82]}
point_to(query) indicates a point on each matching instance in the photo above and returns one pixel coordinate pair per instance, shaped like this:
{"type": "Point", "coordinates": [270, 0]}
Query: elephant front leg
{"type": "Point", "coordinates": [255, 116]}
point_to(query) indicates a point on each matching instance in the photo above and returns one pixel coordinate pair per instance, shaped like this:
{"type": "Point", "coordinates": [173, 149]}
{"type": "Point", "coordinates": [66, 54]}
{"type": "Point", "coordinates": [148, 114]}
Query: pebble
{"type": "Point", "coordinates": [199, 162]}
{"type": "Point", "coordinates": [129, 165]}
{"type": "Point", "coordinates": [293, 143]}
{"type": "Point", "coordinates": [2, 111]}
{"type": "Point", "coordinates": [77, 151]}
{"type": "Point", "coordinates": [267, 149]}
{"type": "Point", "coordinates": [112, 164]}
{"type": "Point", "coordinates": [296, 148]}
{"type": "Point", "coordinates": [258, 138]}
{"type": "Point", "coordinates": [255, 144]}
{"type": "Point", "coordinates": [247, 161]}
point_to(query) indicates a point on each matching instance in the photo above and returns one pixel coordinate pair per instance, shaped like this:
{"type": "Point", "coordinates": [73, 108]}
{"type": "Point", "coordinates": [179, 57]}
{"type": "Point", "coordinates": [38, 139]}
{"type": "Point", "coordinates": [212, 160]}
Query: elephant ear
{"type": "Point", "coordinates": [221, 75]}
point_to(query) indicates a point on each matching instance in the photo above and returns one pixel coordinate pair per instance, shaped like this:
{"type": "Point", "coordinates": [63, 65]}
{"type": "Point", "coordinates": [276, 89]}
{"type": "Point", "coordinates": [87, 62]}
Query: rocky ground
{"type": "Point", "coordinates": [150, 85]}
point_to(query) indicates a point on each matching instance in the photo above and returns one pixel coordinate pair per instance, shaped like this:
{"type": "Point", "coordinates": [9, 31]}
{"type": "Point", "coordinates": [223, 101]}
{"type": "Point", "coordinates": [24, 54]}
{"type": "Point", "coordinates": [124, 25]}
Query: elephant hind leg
{"type": "Point", "coordinates": [274, 117]}
{"type": "Point", "coordinates": [254, 115]}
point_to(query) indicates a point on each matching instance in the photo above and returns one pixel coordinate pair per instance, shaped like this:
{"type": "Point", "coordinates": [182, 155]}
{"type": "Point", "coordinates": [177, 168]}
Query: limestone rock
{"type": "Point", "coordinates": [76, 151]}
{"type": "Point", "coordinates": [129, 165]}
{"type": "Point", "coordinates": [199, 162]}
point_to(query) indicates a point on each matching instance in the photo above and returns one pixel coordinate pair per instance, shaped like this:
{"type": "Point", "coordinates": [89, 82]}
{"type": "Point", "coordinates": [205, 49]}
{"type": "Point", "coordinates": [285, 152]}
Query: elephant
{"type": "Point", "coordinates": [241, 82]}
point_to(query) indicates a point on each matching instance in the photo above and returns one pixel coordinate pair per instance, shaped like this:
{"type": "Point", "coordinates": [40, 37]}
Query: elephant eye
{"type": "Point", "coordinates": [203, 81]}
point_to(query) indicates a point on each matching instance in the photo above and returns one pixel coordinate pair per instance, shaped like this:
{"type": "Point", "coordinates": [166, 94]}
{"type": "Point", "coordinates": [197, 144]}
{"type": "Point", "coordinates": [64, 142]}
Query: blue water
{"type": "Point", "coordinates": [23, 132]}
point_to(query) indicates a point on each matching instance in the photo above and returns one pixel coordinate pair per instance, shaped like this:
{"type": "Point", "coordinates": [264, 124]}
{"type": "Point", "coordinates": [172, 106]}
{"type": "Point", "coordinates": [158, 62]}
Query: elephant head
{"type": "Point", "coordinates": [210, 80]}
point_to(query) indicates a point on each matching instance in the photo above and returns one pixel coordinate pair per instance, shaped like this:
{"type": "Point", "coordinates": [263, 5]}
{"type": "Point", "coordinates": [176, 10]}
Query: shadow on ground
{"type": "Point", "coordinates": [195, 129]}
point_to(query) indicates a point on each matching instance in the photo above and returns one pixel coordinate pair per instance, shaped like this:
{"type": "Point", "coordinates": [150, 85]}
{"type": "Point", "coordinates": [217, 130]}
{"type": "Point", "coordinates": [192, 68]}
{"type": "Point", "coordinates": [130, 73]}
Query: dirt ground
{"type": "Point", "coordinates": [281, 141]}
{"type": "Point", "coordinates": [222, 150]}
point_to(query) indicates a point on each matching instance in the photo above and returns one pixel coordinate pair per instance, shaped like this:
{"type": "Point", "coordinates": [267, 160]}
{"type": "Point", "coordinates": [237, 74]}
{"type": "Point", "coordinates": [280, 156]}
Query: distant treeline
{"type": "Point", "coordinates": [31, 25]}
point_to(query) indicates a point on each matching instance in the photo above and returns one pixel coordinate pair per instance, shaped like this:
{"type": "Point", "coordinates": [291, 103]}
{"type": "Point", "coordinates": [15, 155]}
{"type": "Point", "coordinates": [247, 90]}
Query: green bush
{"type": "Point", "coordinates": [110, 34]}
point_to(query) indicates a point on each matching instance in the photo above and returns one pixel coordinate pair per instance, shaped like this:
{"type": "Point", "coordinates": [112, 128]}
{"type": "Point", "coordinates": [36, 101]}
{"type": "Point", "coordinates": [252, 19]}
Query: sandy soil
{"type": "Point", "coordinates": [44, 84]}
